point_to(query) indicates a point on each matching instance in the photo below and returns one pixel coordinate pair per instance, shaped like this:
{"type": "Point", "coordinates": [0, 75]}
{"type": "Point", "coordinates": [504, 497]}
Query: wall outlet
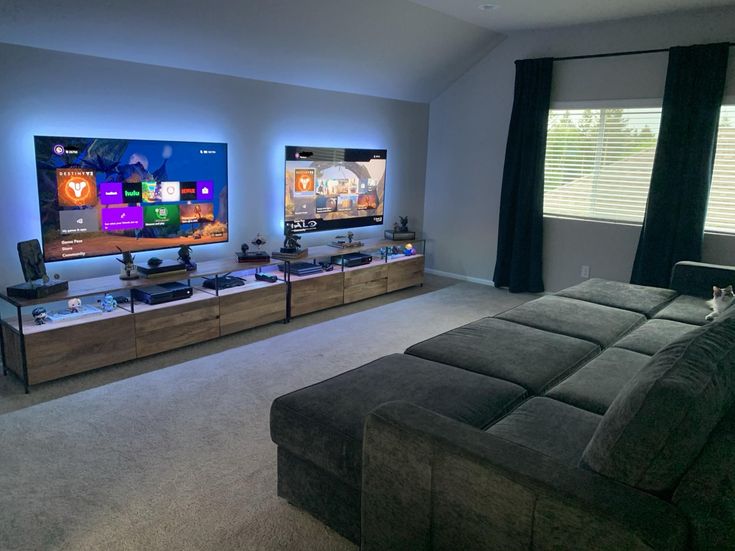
{"type": "Point", "coordinates": [585, 272]}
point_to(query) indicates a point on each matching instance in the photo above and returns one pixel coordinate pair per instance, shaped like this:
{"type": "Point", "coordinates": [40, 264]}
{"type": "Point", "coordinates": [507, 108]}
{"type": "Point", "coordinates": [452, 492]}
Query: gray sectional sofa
{"type": "Point", "coordinates": [600, 417]}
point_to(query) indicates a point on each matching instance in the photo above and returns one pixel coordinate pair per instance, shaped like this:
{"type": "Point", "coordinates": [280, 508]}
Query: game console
{"type": "Point", "coordinates": [165, 292]}
{"type": "Point", "coordinates": [351, 260]}
{"type": "Point", "coordinates": [223, 282]}
{"type": "Point", "coordinates": [302, 268]}
{"type": "Point", "coordinates": [166, 267]}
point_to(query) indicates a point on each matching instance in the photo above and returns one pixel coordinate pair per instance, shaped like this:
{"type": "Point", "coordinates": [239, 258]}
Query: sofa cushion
{"type": "Point", "coordinates": [653, 335]}
{"type": "Point", "coordinates": [595, 386]}
{"type": "Point", "coordinates": [686, 309]}
{"type": "Point", "coordinates": [529, 357]}
{"type": "Point", "coordinates": [638, 298]}
{"type": "Point", "coordinates": [662, 418]}
{"type": "Point", "coordinates": [584, 320]}
{"type": "Point", "coordinates": [550, 427]}
{"type": "Point", "coordinates": [323, 423]}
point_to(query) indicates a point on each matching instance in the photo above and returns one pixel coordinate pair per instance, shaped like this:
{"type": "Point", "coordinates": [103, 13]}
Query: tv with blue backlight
{"type": "Point", "coordinates": [98, 196]}
{"type": "Point", "coordinates": [333, 188]}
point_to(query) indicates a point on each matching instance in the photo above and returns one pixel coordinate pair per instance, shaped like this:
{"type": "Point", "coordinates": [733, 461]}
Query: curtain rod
{"type": "Point", "coordinates": [614, 54]}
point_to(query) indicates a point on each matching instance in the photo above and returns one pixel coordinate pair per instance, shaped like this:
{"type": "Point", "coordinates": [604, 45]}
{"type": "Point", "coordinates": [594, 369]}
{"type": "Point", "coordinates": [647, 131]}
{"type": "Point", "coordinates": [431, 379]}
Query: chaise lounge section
{"type": "Point", "coordinates": [600, 415]}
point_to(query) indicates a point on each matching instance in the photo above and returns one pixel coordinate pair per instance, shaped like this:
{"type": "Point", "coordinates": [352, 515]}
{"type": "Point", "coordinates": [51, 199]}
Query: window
{"type": "Point", "coordinates": [599, 162]}
{"type": "Point", "coordinates": [721, 207]}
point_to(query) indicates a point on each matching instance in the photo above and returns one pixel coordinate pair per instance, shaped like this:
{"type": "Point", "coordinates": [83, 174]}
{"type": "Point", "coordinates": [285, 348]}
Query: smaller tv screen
{"type": "Point", "coordinates": [331, 188]}
{"type": "Point", "coordinates": [98, 196]}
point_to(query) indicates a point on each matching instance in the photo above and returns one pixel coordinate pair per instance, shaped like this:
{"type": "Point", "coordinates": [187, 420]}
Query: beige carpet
{"type": "Point", "coordinates": [174, 452]}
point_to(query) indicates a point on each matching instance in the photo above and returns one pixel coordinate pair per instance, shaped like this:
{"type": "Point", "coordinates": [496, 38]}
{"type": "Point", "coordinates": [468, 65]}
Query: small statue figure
{"type": "Point", "coordinates": [259, 241]}
{"type": "Point", "coordinates": [409, 250]}
{"type": "Point", "coordinates": [31, 261]}
{"type": "Point", "coordinates": [244, 248]}
{"type": "Point", "coordinates": [39, 315]}
{"type": "Point", "coordinates": [74, 304]}
{"type": "Point", "coordinates": [128, 270]}
{"type": "Point", "coordinates": [108, 303]}
{"type": "Point", "coordinates": [350, 235]}
{"type": "Point", "coordinates": [291, 242]}
{"type": "Point", "coordinates": [404, 224]}
{"type": "Point", "coordinates": [185, 258]}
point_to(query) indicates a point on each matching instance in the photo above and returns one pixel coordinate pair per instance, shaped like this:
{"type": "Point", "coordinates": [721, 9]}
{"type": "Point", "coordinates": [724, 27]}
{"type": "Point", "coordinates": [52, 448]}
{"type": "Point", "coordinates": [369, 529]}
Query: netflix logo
{"type": "Point", "coordinates": [188, 191]}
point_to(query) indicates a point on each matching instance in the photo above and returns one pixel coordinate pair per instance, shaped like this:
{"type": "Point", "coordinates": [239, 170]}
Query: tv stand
{"type": "Point", "coordinates": [40, 353]}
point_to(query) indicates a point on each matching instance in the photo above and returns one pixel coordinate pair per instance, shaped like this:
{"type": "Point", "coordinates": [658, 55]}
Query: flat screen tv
{"type": "Point", "coordinates": [330, 188]}
{"type": "Point", "coordinates": [100, 195]}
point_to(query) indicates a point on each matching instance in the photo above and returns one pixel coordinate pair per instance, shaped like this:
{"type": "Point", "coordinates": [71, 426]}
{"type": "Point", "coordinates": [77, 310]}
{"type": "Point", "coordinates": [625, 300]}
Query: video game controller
{"type": "Point", "coordinates": [265, 277]}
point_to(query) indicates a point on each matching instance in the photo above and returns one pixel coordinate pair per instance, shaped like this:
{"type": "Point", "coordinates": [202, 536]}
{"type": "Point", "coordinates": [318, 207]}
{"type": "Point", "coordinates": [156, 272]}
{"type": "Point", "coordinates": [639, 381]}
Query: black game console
{"type": "Point", "coordinates": [302, 268]}
{"type": "Point", "coordinates": [223, 282]}
{"type": "Point", "coordinates": [165, 292]}
{"type": "Point", "coordinates": [351, 260]}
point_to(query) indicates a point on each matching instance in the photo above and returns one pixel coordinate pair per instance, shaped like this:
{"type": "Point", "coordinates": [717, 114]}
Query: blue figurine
{"type": "Point", "coordinates": [108, 303]}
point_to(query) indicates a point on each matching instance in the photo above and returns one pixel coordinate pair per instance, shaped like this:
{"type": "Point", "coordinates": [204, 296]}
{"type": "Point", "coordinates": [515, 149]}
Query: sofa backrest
{"type": "Point", "coordinates": [661, 419]}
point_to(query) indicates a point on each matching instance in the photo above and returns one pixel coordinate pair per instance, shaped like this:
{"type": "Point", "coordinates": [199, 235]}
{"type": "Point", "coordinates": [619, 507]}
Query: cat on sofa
{"type": "Point", "coordinates": [721, 300]}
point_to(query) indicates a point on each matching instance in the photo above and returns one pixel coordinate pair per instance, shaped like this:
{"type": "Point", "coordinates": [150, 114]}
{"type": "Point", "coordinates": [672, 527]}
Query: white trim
{"type": "Point", "coordinates": [478, 280]}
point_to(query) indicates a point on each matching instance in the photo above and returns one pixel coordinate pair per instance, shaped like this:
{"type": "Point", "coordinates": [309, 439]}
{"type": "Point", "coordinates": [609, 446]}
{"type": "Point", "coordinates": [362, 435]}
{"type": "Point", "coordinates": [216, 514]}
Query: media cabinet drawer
{"type": "Point", "coordinates": [310, 294]}
{"type": "Point", "coordinates": [56, 353]}
{"type": "Point", "coordinates": [362, 283]}
{"type": "Point", "coordinates": [251, 308]}
{"type": "Point", "coordinates": [405, 273]}
{"type": "Point", "coordinates": [174, 326]}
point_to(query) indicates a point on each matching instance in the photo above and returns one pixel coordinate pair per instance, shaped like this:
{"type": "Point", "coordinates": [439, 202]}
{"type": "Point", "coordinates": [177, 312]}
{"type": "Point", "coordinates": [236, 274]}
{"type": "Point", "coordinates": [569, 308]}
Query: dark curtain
{"type": "Point", "coordinates": [682, 169]}
{"type": "Point", "coordinates": [520, 231]}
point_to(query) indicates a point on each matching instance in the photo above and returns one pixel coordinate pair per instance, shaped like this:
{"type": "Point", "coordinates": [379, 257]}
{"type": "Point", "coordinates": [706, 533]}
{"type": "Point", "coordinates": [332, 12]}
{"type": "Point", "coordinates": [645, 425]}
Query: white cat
{"type": "Point", "coordinates": [721, 300]}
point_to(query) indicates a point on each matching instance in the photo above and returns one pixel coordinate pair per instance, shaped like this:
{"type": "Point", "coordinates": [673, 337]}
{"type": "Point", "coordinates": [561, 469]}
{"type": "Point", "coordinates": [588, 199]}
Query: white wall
{"type": "Point", "coordinates": [49, 93]}
{"type": "Point", "coordinates": [468, 129]}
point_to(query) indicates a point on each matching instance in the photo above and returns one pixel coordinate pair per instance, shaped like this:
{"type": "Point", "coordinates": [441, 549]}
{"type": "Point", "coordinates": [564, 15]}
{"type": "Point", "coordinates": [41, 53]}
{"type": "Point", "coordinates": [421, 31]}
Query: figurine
{"type": "Point", "coordinates": [291, 242]}
{"type": "Point", "coordinates": [108, 303]}
{"type": "Point", "coordinates": [154, 262]}
{"type": "Point", "coordinates": [128, 270]}
{"type": "Point", "coordinates": [404, 224]}
{"type": "Point", "coordinates": [409, 250]}
{"type": "Point", "coordinates": [31, 261]}
{"type": "Point", "coordinates": [185, 258]}
{"type": "Point", "coordinates": [258, 242]}
{"type": "Point", "coordinates": [74, 304]}
{"type": "Point", "coordinates": [39, 315]}
{"type": "Point", "coordinates": [244, 248]}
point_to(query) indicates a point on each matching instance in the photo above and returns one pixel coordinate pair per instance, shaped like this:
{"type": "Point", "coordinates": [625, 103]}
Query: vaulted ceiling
{"type": "Point", "coordinates": [401, 49]}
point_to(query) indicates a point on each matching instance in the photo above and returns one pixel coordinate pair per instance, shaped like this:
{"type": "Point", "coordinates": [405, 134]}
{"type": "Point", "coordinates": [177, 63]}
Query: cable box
{"type": "Point", "coordinates": [350, 260]}
{"type": "Point", "coordinates": [165, 292]}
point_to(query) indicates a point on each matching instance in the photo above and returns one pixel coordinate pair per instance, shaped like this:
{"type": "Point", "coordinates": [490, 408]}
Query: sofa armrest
{"type": "Point", "coordinates": [697, 278]}
{"type": "Point", "coordinates": [430, 482]}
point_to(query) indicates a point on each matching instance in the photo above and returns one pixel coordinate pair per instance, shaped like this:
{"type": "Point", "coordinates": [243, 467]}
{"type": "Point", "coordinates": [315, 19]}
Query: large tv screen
{"type": "Point", "coordinates": [330, 188]}
{"type": "Point", "coordinates": [99, 195]}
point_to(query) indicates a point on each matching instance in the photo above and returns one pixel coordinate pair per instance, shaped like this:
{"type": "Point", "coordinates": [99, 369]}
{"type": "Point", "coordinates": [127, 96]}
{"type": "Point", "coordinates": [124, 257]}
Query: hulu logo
{"type": "Point", "coordinates": [132, 193]}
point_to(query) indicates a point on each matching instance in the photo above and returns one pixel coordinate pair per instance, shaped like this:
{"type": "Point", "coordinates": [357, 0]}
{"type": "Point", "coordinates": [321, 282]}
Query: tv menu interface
{"type": "Point", "coordinates": [98, 196]}
{"type": "Point", "coordinates": [330, 188]}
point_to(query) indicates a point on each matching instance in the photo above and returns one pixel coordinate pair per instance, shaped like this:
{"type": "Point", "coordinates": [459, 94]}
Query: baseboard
{"type": "Point", "coordinates": [479, 280]}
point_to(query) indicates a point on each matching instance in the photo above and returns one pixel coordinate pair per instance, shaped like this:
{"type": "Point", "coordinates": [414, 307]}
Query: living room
{"type": "Point", "coordinates": [174, 450]}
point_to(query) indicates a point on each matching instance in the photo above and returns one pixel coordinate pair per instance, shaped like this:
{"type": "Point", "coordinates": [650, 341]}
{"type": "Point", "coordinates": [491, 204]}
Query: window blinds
{"type": "Point", "coordinates": [599, 161]}
{"type": "Point", "coordinates": [721, 207]}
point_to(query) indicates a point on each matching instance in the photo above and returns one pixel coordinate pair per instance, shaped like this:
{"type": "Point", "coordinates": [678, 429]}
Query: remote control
{"type": "Point", "coordinates": [264, 277]}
